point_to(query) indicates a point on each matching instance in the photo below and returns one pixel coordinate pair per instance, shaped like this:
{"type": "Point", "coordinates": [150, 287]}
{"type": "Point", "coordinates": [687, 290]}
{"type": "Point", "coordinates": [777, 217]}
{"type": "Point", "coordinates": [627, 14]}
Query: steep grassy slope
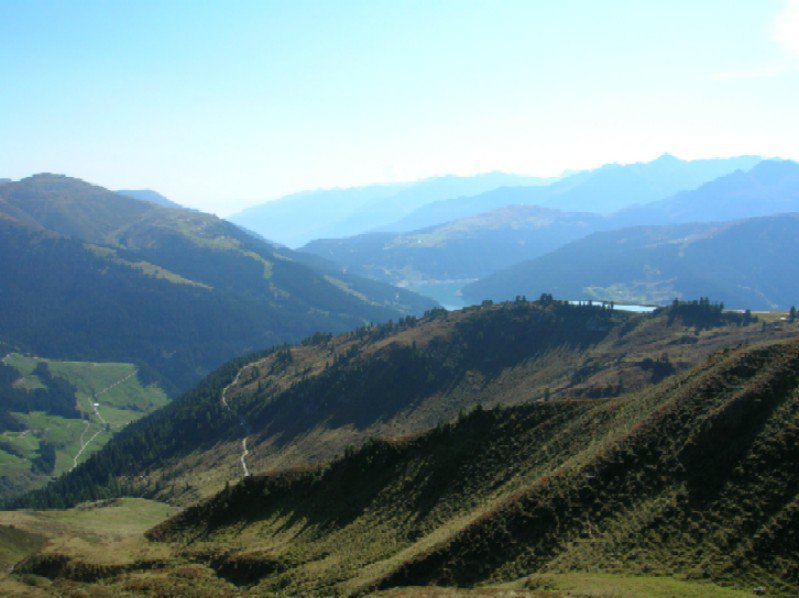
{"type": "Point", "coordinates": [91, 275]}
{"type": "Point", "coordinates": [741, 263]}
{"type": "Point", "coordinates": [689, 482]}
{"type": "Point", "coordinates": [304, 405]}
{"type": "Point", "coordinates": [697, 476]}
{"type": "Point", "coordinates": [706, 483]}
{"type": "Point", "coordinates": [54, 414]}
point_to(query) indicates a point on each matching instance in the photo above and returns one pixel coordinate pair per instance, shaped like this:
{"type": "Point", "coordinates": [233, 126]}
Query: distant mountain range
{"type": "Point", "coordinates": [604, 190]}
{"type": "Point", "coordinates": [441, 259]}
{"type": "Point", "coordinates": [746, 264]}
{"type": "Point", "coordinates": [151, 196]}
{"type": "Point", "coordinates": [770, 187]}
{"type": "Point", "coordinates": [297, 219]}
{"type": "Point", "coordinates": [88, 274]}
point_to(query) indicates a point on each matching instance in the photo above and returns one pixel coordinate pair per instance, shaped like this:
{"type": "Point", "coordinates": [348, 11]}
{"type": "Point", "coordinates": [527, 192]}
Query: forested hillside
{"type": "Point", "coordinates": [399, 299]}
{"type": "Point", "coordinates": [91, 275]}
{"type": "Point", "coordinates": [151, 196]}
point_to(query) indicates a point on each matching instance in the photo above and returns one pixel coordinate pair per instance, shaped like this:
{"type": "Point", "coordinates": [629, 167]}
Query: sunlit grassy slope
{"type": "Point", "coordinates": [696, 478]}
{"type": "Point", "coordinates": [107, 533]}
{"type": "Point", "coordinates": [120, 398]}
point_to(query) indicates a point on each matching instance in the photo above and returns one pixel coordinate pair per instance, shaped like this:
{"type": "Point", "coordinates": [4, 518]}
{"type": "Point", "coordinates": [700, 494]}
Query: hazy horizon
{"type": "Point", "coordinates": [219, 108]}
{"type": "Point", "coordinates": [379, 183]}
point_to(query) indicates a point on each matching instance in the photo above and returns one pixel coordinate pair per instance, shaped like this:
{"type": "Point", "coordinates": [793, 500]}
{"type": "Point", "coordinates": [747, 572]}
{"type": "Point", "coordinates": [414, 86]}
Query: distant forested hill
{"type": "Point", "coordinates": [91, 275]}
{"type": "Point", "coordinates": [745, 264]}
{"type": "Point", "coordinates": [331, 213]}
{"type": "Point", "coordinates": [468, 248]}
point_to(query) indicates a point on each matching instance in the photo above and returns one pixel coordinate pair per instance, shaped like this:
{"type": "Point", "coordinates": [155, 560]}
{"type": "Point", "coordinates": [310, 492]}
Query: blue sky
{"type": "Point", "coordinates": [219, 105]}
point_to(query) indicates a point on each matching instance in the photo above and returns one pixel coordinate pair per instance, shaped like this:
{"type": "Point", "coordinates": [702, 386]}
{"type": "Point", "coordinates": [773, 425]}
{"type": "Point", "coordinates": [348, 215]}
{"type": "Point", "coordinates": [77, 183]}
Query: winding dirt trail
{"type": "Point", "coordinates": [244, 456]}
{"type": "Point", "coordinates": [242, 422]}
{"type": "Point", "coordinates": [117, 383]}
{"type": "Point", "coordinates": [83, 444]}
{"type": "Point", "coordinates": [94, 405]}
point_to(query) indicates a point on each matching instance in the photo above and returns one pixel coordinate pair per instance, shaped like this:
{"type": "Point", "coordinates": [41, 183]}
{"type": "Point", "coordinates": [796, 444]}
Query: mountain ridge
{"type": "Point", "coordinates": [458, 249]}
{"type": "Point", "coordinates": [150, 196]}
{"type": "Point", "coordinates": [178, 274]}
{"type": "Point", "coordinates": [299, 218]}
{"type": "Point", "coordinates": [769, 187]}
{"type": "Point", "coordinates": [304, 404]}
{"type": "Point", "coordinates": [604, 190]}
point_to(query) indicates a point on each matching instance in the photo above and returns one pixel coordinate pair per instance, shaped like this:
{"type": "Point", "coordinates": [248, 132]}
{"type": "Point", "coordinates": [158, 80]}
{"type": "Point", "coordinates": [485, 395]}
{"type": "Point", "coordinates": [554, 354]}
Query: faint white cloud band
{"type": "Point", "coordinates": [785, 32]}
{"type": "Point", "coordinates": [786, 28]}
